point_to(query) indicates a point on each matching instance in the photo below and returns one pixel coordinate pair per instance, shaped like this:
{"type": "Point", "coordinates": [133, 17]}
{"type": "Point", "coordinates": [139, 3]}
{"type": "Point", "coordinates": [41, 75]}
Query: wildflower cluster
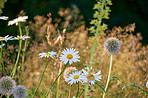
{"type": "Point", "coordinates": [8, 87]}
{"type": "Point", "coordinates": [7, 37]}
{"type": "Point", "coordinates": [87, 76]}
{"type": "Point", "coordinates": [7, 84]}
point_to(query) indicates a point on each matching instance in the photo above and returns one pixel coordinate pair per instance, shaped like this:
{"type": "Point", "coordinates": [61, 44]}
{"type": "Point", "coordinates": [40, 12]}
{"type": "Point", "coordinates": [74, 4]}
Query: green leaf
{"type": "Point", "coordinates": [90, 89]}
{"type": "Point", "coordinates": [26, 92]}
{"type": "Point", "coordinates": [133, 85]}
{"type": "Point", "coordinates": [51, 89]}
{"type": "Point", "coordinates": [113, 77]}
{"type": "Point", "coordinates": [42, 94]}
{"type": "Point", "coordinates": [18, 68]}
{"type": "Point", "coordinates": [33, 90]}
{"type": "Point", "coordinates": [100, 86]}
{"type": "Point", "coordinates": [2, 5]}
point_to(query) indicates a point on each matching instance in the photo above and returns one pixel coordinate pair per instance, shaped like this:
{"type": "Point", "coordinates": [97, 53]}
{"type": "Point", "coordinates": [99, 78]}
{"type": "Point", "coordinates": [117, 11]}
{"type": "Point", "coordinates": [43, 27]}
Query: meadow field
{"type": "Point", "coordinates": [60, 57]}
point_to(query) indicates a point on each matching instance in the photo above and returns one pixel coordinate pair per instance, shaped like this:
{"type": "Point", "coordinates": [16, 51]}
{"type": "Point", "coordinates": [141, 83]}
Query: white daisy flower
{"type": "Point", "coordinates": [6, 38]}
{"type": "Point", "coordinates": [4, 17]}
{"type": "Point", "coordinates": [48, 54]}
{"type": "Point", "coordinates": [21, 37]}
{"type": "Point", "coordinates": [2, 45]}
{"type": "Point", "coordinates": [147, 84]}
{"type": "Point", "coordinates": [76, 77]}
{"type": "Point", "coordinates": [93, 77]}
{"type": "Point", "coordinates": [69, 55]}
{"type": "Point", "coordinates": [17, 20]}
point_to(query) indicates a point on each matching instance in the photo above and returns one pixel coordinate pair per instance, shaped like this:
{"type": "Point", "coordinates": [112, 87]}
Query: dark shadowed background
{"type": "Point", "coordinates": [124, 12]}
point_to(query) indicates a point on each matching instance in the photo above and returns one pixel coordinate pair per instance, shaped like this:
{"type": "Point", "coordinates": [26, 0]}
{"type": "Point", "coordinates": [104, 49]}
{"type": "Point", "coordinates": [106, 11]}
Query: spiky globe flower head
{"type": "Point", "coordinates": [112, 46]}
{"type": "Point", "coordinates": [7, 85]}
{"type": "Point", "coordinates": [68, 71]}
{"type": "Point", "coordinates": [20, 92]}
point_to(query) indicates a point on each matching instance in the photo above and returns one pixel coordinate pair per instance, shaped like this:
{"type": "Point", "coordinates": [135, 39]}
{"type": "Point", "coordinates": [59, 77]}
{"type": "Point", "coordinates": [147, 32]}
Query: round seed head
{"type": "Point", "coordinates": [19, 92]}
{"type": "Point", "coordinates": [7, 85]}
{"type": "Point", "coordinates": [112, 46]}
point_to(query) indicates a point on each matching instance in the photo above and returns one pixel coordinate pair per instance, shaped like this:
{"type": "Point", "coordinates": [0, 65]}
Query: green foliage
{"type": "Point", "coordinates": [42, 94]}
{"type": "Point", "coordinates": [102, 12]}
{"type": "Point", "coordinates": [2, 5]}
{"type": "Point", "coordinates": [113, 77]}
{"type": "Point", "coordinates": [51, 89]}
{"type": "Point", "coordinates": [133, 85]}
{"type": "Point", "coordinates": [100, 87]}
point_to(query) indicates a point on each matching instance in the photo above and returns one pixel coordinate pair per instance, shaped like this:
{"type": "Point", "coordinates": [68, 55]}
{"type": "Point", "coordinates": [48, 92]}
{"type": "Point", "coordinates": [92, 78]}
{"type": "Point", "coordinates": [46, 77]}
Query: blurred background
{"type": "Point", "coordinates": [124, 12]}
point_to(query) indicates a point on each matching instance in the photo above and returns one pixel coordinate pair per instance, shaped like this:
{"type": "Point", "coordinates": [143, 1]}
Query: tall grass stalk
{"type": "Point", "coordinates": [2, 67]}
{"type": "Point", "coordinates": [111, 60]}
{"type": "Point", "coordinates": [56, 79]}
{"type": "Point", "coordinates": [23, 57]}
{"type": "Point", "coordinates": [95, 43]}
{"type": "Point", "coordinates": [41, 78]}
{"type": "Point", "coordinates": [20, 46]}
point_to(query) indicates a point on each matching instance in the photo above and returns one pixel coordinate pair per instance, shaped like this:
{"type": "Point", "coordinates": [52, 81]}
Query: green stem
{"type": "Point", "coordinates": [77, 91]}
{"type": "Point", "coordinates": [58, 83]}
{"type": "Point", "coordinates": [3, 66]}
{"type": "Point", "coordinates": [41, 78]}
{"type": "Point", "coordinates": [23, 57]}
{"type": "Point", "coordinates": [69, 96]}
{"type": "Point", "coordinates": [111, 60]}
{"type": "Point", "coordinates": [94, 45]}
{"type": "Point", "coordinates": [7, 96]}
{"type": "Point", "coordinates": [81, 93]}
{"type": "Point", "coordinates": [20, 45]}
{"type": "Point", "coordinates": [56, 79]}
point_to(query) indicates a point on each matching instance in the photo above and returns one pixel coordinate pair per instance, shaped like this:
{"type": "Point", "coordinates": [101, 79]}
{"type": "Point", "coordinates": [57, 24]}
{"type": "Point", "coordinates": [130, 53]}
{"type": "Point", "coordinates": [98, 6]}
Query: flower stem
{"type": "Point", "coordinates": [56, 79]}
{"type": "Point", "coordinates": [41, 78]}
{"type": "Point", "coordinates": [77, 91]}
{"type": "Point", "coordinates": [3, 66]}
{"type": "Point", "coordinates": [58, 83]}
{"type": "Point", "coordinates": [111, 60]}
{"type": "Point", "coordinates": [95, 43]}
{"type": "Point", "coordinates": [23, 57]}
{"type": "Point", "coordinates": [69, 95]}
{"type": "Point", "coordinates": [20, 45]}
{"type": "Point", "coordinates": [81, 92]}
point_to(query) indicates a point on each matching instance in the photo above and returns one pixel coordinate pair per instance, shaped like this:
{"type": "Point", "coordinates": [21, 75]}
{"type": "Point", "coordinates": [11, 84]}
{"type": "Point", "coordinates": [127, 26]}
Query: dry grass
{"type": "Point", "coordinates": [130, 64]}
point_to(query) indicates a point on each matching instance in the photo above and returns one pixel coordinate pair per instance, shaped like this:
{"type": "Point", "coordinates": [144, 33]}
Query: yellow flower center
{"type": "Point", "coordinates": [48, 54]}
{"type": "Point", "coordinates": [2, 38]}
{"type": "Point", "coordinates": [76, 77]}
{"type": "Point", "coordinates": [91, 77]}
{"type": "Point", "coordinates": [18, 37]}
{"type": "Point", "coordinates": [69, 56]}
